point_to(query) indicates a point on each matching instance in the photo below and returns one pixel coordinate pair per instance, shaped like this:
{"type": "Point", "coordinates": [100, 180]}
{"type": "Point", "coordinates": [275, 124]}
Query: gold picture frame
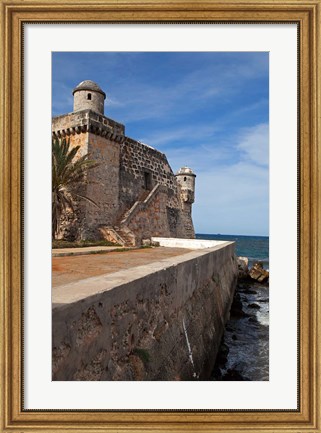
{"type": "Point", "coordinates": [307, 14]}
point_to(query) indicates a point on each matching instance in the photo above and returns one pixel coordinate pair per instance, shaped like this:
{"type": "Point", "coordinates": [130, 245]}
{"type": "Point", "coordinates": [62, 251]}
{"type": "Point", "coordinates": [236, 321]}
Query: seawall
{"type": "Point", "coordinates": [160, 321]}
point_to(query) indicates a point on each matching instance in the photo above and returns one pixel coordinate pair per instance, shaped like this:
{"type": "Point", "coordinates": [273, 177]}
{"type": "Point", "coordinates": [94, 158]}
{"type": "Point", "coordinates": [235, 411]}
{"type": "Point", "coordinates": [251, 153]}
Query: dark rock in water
{"type": "Point", "coordinates": [258, 273]}
{"type": "Point", "coordinates": [233, 374]}
{"type": "Point", "coordinates": [224, 349]}
{"type": "Point", "coordinates": [217, 373]}
{"type": "Point", "coordinates": [238, 313]}
{"type": "Point", "coordinates": [221, 360]}
{"type": "Point", "coordinates": [256, 306]}
{"type": "Point", "coordinates": [222, 355]}
{"type": "Point", "coordinates": [237, 307]}
{"type": "Point", "coordinates": [244, 354]}
{"type": "Point", "coordinates": [250, 292]}
{"type": "Point", "coordinates": [237, 303]}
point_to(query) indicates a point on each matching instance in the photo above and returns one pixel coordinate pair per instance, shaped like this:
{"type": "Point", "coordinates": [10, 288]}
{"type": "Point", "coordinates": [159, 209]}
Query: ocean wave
{"type": "Point", "coordinates": [258, 259]}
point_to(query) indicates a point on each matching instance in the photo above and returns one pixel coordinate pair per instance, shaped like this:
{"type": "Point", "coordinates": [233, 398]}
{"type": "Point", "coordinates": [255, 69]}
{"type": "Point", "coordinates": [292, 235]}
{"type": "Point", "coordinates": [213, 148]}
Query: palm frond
{"type": "Point", "coordinates": [69, 172]}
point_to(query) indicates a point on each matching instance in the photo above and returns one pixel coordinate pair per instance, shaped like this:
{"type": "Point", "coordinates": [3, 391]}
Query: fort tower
{"type": "Point", "coordinates": [137, 194]}
{"type": "Point", "coordinates": [89, 96]}
{"type": "Point", "coordinates": [186, 180]}
{"type": "Point", "coordinates": [186, 183]}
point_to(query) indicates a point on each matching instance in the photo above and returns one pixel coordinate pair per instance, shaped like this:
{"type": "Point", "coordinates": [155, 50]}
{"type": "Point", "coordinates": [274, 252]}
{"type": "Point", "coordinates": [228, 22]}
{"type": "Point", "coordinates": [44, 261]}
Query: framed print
{"type": "Point", "coordinates": [173, 120]}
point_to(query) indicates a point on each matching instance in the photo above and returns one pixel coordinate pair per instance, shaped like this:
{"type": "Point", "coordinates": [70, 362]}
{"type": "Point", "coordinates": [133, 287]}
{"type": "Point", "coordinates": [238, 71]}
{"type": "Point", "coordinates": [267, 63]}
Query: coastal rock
{"type": "Point", "coordinates": [243, 267]}
{"type": "Point", "coordinates": [250, 292]}
{"type": "Point", "coordinates": [258, 273]}
{"type": "Point", "coordinates": [233, 374]}
{"type": "Point", "coordinates": [222, 356]}
{"type": "Point", "coordinates": [256, 306]}
{"type": "Point", "coordinates": [237, 307]}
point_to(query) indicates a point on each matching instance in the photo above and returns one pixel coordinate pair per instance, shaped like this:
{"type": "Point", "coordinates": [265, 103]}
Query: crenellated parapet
{"type": "Point", "coordinates": [87, 121]}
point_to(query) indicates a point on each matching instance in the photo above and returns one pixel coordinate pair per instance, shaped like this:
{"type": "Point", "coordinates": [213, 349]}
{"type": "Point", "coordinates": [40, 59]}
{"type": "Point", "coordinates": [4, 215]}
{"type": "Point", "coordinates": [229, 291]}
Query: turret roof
{"type": "Point", "coordinates": [89, 85]}
{"type": "Point", "coordinates": [184, 171]}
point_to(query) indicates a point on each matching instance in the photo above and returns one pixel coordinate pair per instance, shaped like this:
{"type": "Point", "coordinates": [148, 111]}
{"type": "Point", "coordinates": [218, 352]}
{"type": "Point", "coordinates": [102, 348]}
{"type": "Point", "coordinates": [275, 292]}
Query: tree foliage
{"type": "Point", "coordinates": [68, 174]}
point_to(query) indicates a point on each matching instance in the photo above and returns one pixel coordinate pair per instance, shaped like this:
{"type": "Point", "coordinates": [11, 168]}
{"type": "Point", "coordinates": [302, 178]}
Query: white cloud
{"type": "Point", "coordinates": [200, 158]}
{"type": "Point", "coordinates": [232, 196]}
{"type": "Point", "coordinates": [184, 133]}
{"type": "Point", "coordinates": [232, 200]}
{"type": "Point", "coordinates": [232, 183]}
{"type": "Point", "coordinates": [254, 144]}
{"type": "Point", "coordinates": [204, 146]}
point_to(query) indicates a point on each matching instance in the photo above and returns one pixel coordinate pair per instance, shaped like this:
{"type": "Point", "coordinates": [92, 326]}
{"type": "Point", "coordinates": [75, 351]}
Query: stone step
{"type": "Point", "coordinates": [124, 216]}
{"type": "Point", "coordinates": [124, 235]}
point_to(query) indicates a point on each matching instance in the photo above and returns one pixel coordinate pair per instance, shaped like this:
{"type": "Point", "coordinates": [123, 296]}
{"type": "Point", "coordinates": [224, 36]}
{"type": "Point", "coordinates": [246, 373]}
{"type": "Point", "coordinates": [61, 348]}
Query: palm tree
{"type": "Point", "coordinates": [68, 174]}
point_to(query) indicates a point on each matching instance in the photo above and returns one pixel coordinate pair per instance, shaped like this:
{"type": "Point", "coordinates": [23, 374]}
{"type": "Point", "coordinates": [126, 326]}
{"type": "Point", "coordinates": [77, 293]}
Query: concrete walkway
{"type": "Point", "coordinates": [63, 252]}
{"type": "Point", "coordinates": [71, 268]}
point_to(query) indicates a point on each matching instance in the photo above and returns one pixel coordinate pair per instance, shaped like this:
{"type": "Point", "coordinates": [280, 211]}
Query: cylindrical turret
{"type": "Point", "coordinates": [89, 96]}
{"type": "Point", "coordinates": [186, 180]}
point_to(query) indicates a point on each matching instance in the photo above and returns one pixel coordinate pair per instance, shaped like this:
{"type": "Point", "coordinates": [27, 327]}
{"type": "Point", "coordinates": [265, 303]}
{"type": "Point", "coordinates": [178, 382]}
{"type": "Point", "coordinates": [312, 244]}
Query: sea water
{"type": "Point", "coordinates": [255, 248]}
{"type": "Point", "coordinates": [247, 338]}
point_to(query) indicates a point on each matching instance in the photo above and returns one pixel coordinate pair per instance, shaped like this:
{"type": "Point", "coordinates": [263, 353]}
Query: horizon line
{"type": "Point", "coordinates": [225, 234]}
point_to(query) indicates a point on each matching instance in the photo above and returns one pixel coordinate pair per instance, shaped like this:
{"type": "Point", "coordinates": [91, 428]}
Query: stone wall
{"type": "Point", "coordinates": [152, 219]}
{"type": "Point", "coordinates": [103, 146]}
{"type": "Point", "coordinates": [72, 224]}
{"type": "Point", "coordinates": [139, 161]}
{"type": "Point", "coordinates": [83, 121]}
{"type": "Point", "coordinates": [171, 218]}
{"type": "Point", "coordinates": [187, 243]}
{"type": "Point", "coordinates": [186, 222]}
{"type": "Point", "coordinates": [103, 187]}
{"type": "Point", "coordinates": [128, 170]}
{"type": "Point", "coordinates": [138, 324]}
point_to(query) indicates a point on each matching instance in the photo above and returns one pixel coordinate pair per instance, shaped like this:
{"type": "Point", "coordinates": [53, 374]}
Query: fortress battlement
{"type": "Point", "coordinates": [129, 171]}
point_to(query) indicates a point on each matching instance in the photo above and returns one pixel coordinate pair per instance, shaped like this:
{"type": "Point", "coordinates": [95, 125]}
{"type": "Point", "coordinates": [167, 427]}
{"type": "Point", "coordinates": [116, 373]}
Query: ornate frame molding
{"type": "Point", "coordinates": [14, 13]}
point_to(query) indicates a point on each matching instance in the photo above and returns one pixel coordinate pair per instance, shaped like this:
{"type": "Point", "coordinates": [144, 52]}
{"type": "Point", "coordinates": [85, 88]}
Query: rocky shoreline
{"type": "Point", "coordinates": [244, 349]}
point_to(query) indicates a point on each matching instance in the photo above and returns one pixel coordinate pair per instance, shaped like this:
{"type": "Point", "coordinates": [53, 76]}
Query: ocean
{"type": "Point", "coordinates": [253, 247]}
{"type": "Point", "coordinates": [245, 343]}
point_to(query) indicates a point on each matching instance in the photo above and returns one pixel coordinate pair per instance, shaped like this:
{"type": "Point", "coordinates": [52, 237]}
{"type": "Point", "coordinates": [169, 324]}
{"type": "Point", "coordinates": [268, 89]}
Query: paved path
{"type": "Point", "coordinates": [61, 252]}
{"type": "Point", "coordinates": [68, 269]}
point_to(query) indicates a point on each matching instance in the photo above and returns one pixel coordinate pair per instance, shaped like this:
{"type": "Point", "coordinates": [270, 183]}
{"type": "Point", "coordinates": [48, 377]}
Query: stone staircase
{"type": "Point", "coordinates": [110, 234]}
{"type": "Point", "coordinates": [127, 237]}
{"type": "Point", "coordinates": [127, 216]}
{"type": "Point", "coordinates": [120, 233]}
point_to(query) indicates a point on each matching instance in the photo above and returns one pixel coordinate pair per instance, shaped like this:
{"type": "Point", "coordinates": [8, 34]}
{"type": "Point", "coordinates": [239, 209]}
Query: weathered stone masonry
{"type": "Point", "coordinates": [132, 179]}
{"type": "Point", "coordinates": [134, 325]}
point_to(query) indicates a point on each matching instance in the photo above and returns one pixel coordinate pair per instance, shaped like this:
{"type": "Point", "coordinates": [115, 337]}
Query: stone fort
{"type": "Point", "coordinates": [137, 194]}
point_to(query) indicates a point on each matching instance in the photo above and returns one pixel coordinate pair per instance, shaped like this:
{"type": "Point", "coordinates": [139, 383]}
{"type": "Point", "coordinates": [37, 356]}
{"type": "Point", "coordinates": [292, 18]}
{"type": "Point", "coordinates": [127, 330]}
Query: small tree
{"type": "Point", "coordinates": [68, 173]}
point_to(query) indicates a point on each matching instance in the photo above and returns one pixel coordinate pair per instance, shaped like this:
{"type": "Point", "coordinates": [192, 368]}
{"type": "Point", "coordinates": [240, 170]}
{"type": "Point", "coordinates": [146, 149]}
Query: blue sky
{"type": "Point", "coordinates": [209, 111]}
